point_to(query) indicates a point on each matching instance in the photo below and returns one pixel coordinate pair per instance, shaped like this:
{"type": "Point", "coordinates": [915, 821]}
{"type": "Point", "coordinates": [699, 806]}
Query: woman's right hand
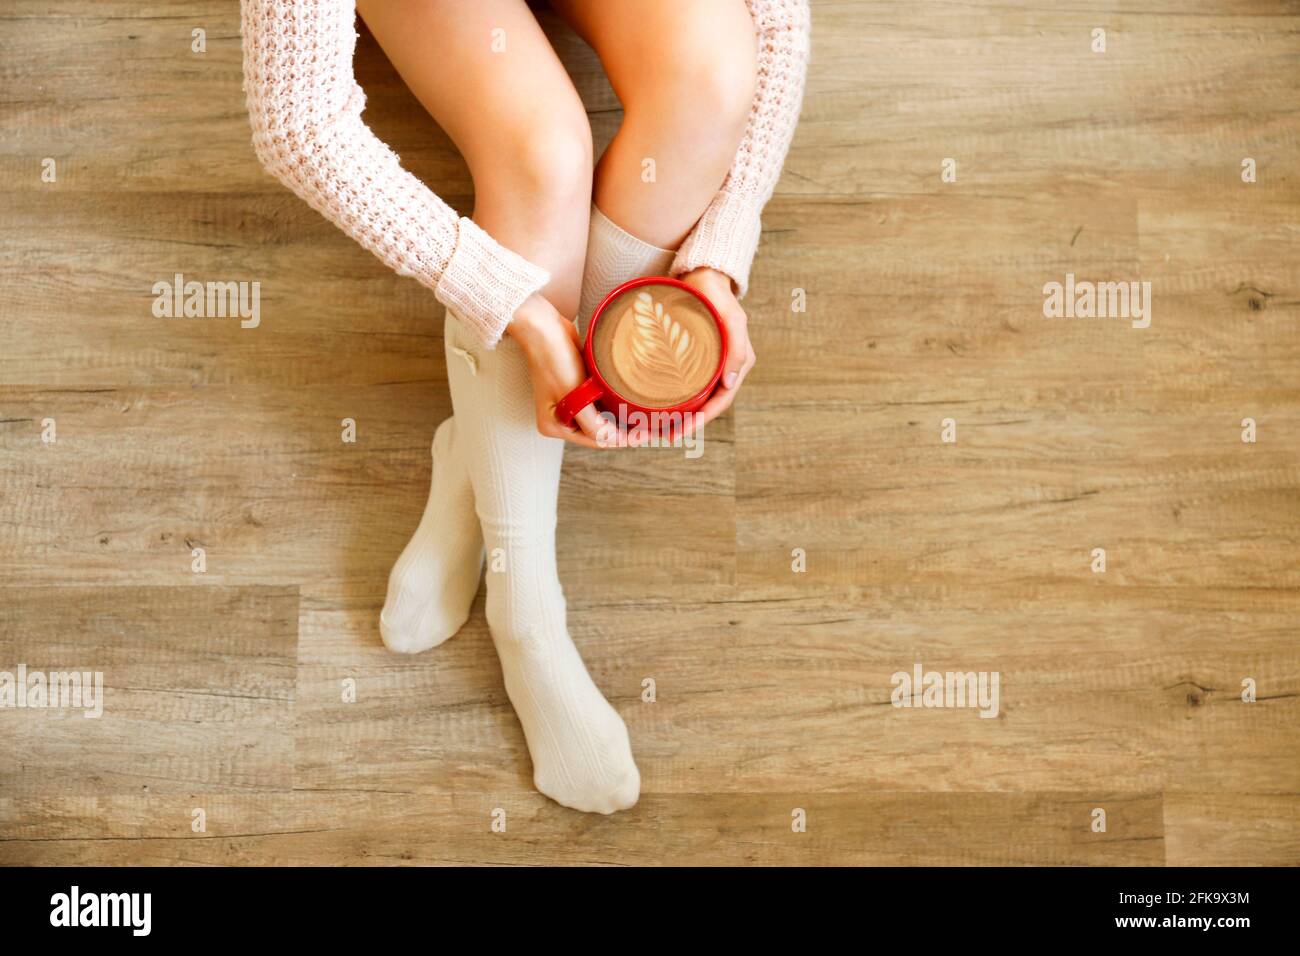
{"type": "Point", "coordinates": [550, 345]}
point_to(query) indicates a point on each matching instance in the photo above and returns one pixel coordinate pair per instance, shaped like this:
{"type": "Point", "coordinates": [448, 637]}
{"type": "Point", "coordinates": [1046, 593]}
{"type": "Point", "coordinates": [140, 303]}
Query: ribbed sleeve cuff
{"type": "Point", "coordinates": [725, 238]}
{"type": "Point", "coordinates": [484, 283]}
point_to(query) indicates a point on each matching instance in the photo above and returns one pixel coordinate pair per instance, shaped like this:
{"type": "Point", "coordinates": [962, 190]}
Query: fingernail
{"type": "Point", "coordinates": [731, 379]}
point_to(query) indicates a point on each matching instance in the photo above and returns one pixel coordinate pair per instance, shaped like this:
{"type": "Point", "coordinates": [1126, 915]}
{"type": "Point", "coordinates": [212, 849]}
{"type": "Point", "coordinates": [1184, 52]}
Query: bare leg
{"type": "Point", "coordinates": [685, 73]}
{"type": "Point", "coordinates": [489, 76]}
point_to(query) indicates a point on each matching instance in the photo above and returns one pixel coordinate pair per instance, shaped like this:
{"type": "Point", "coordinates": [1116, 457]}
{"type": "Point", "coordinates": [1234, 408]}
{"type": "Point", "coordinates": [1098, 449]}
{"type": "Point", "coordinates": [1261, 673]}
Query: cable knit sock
{"type": "Point", "coordinates": [433, 583]}
{"type": "Point", "coordinates": [581, 754]}
{"type": "Point", "coordinates": [614, 255]}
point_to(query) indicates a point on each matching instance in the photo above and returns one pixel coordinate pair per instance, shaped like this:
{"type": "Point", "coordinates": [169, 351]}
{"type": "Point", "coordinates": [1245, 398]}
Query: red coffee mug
{"type": "Point", "coordinates": [597, 389]}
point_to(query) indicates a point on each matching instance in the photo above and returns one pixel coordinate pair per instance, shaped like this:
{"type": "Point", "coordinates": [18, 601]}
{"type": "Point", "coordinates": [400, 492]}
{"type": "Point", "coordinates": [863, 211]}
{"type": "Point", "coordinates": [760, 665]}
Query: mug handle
{"type": "Point", "coordinates": [568, 407]}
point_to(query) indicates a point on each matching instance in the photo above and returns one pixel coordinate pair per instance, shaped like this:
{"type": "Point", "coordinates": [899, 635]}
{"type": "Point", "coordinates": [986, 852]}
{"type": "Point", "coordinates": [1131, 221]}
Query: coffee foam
{"type": "Point", "coordinates": [657, 345]}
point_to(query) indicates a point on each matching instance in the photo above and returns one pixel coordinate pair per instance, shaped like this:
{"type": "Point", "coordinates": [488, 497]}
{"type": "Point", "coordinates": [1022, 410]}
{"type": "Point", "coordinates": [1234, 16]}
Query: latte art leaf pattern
{"type": "Point", "coordinates": [657, 346]}
{"type": "Point", "coordinates": [663, 350]}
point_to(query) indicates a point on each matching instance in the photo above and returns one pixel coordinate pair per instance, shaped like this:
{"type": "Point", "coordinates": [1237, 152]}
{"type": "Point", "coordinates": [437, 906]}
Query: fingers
{"type": "Point", "coordinates": [744, 369]}
{"type": "Point", "coordinates": [718, 288]}
{"type": "Point", "coordinates": [556, 430]}
{"type": "Point", "coordinates": [721, 400]}
{"type": "Point", "coordinates": [589, 429]}
{"type": "Point", "coordinates": [711, 409]}
{"type": "Point", "coordinates": [577, 438]}
{"type": "Point", "coordinates": [739, 354]}
{"type": "Point", "coordinates": [601, 431]}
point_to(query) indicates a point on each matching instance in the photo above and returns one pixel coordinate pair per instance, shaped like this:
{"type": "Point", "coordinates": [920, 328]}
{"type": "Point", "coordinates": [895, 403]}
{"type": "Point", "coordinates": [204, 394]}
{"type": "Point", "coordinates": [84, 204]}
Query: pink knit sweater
{"type": "Point", "coordinates": [305, 107]}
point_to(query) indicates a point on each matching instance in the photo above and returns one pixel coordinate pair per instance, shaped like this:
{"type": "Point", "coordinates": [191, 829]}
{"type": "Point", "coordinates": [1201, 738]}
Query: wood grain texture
{"type": "Point", "coordinates": [313, 828]}
{"type": "Point", "coordinates": [1122, 691]}
{"type": "Point", "coordinates": [198, 687]}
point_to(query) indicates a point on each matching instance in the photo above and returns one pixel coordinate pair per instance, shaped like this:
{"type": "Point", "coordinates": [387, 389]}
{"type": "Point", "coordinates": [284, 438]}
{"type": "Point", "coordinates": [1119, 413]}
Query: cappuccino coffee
{"type": "Point", "coordinates": [657, 345]}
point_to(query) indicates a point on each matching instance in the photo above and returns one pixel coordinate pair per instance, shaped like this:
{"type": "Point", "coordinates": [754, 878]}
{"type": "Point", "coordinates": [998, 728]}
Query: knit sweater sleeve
{"type": "Point", "coordinates": [726, 237]}
{"type": "Point", "coordinates": [305, 107]}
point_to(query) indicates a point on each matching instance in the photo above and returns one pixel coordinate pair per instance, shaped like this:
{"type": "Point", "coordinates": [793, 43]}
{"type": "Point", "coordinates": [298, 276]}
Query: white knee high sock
{"type": "Point", "coordinates": [433, 583]}
{"type": "Point", "coordinates": [579, 744]}
{"type": "Point", "coordinates": [614, 255]}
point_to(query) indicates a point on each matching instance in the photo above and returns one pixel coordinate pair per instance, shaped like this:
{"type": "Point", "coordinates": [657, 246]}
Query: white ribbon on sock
{"type": "Point", "coordinates": [470, 359]}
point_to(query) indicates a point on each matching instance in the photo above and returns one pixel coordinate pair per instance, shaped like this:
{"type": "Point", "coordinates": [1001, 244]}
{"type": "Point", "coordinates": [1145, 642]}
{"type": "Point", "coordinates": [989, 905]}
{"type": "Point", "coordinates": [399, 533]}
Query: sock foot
{"type": "Point", "coordinates": [582, 757]}
{"type": "Point", "coordinates": [433, 583]}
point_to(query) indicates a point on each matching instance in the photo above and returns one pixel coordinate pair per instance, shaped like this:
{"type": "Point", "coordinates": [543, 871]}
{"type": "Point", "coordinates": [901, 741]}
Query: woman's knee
{"type": "Point", "coordinates": [544, 163]}
{"type": "Point", "coordinates": [719, 90]}
{"type": "Point", "coordinates": [703, 84]}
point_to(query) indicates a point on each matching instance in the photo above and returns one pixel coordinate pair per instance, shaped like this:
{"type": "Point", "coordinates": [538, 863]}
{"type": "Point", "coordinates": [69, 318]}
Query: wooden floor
{"type": "Point", "coordinates": [1120, 691]}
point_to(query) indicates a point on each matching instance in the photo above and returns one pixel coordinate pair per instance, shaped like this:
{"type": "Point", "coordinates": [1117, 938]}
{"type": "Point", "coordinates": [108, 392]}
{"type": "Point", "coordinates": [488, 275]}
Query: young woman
{"type": "Point", "coordinates": [711, 92]}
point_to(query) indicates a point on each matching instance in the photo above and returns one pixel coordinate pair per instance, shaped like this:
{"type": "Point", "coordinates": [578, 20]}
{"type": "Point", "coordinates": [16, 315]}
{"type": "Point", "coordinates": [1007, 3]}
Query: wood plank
{"type": "Point", "coordinates": [242, 470]}
{"type": "Point", "coordinates": [754, 693]}
{"type": "Point", "coordinates": [197, 689]}
{"type": "Point", "coordinates": [684, 829]}
{"type": "Point", "coordinates": [1232, 829]}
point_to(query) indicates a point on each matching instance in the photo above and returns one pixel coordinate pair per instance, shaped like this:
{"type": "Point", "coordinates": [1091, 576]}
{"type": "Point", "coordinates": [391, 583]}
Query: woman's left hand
{"type": "Point", "coordinates": [717, 288]}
